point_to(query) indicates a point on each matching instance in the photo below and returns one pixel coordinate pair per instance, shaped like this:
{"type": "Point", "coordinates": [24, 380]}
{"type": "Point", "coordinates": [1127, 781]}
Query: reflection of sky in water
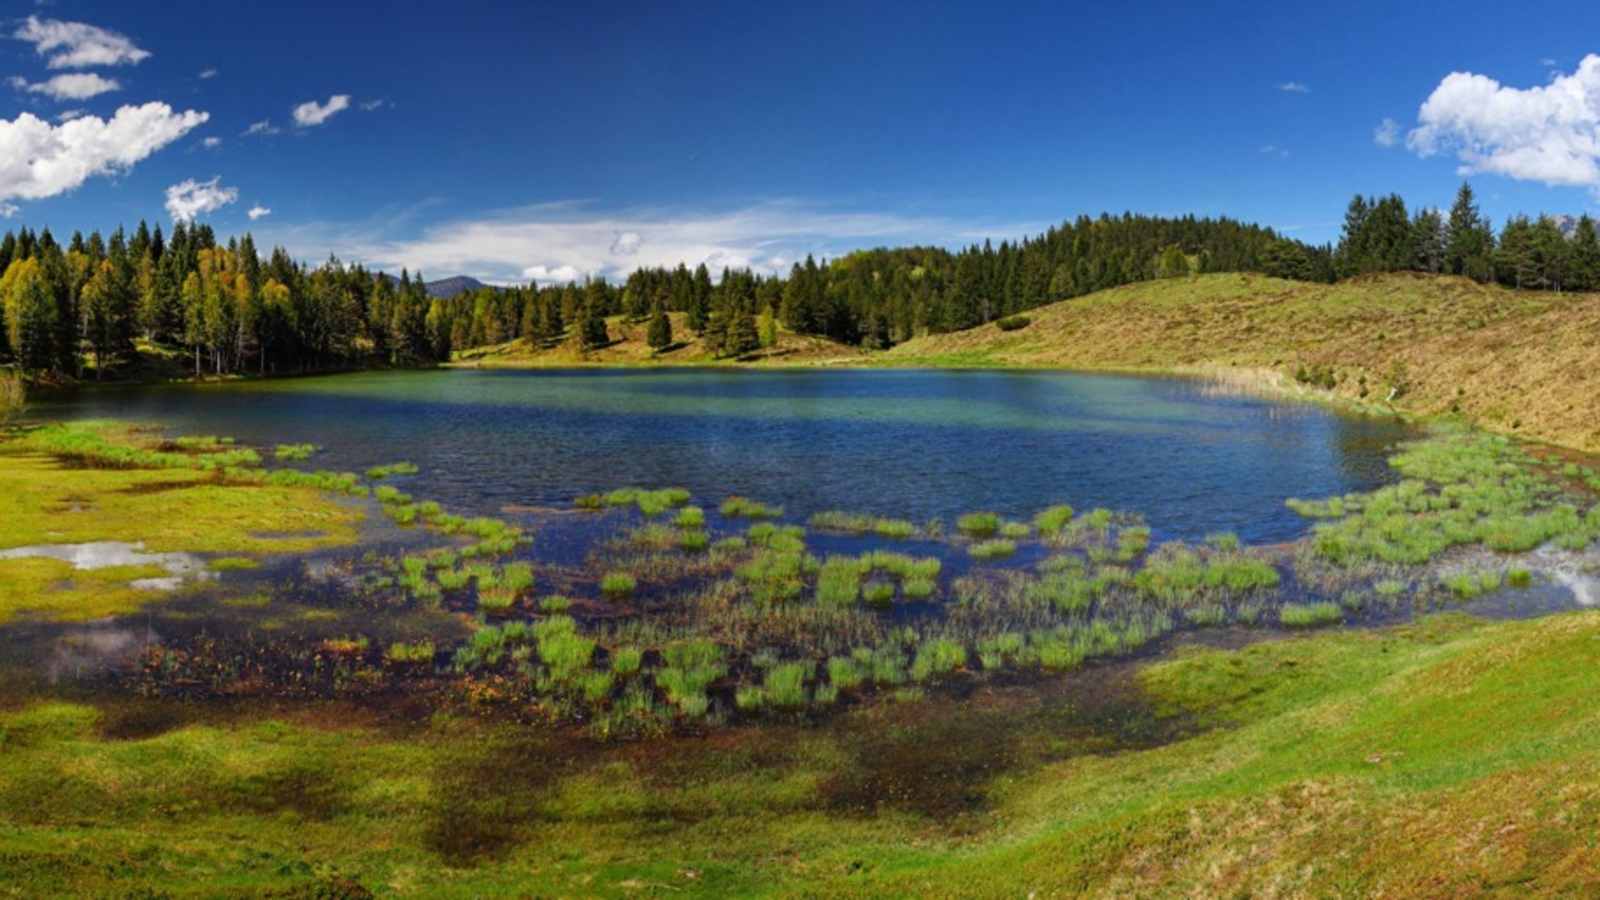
{"type": "Point", "coordinates": [180, 567]}
{"type": "Point", "coordinates": [914, 444]}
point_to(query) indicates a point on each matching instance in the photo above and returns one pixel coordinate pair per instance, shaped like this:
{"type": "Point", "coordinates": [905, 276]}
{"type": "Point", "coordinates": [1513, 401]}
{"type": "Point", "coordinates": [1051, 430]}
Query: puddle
{"type": "Point", "coordinates": [1575, 572]}
{"type": "Point", "coordinates": [180, 567]}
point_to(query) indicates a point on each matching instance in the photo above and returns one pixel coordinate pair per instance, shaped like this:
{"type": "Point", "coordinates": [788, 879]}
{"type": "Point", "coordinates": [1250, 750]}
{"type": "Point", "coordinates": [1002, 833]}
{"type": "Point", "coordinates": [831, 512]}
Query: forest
{"type": "Point", "coordinates": [91, 309]}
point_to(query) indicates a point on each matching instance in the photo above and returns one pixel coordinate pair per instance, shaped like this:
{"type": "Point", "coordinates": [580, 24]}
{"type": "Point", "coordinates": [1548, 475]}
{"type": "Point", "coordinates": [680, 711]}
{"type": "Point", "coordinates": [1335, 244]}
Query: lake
{"type": "Point", "coordinates": [912, 444]}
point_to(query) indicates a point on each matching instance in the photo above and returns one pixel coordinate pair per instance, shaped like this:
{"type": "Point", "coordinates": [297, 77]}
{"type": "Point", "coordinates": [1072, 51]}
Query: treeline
{"type": "Point", "coordinates": [64, 310]}
{"type": "Point", "coordinates": [876, 298]}
{"type": "Point", "coordinates": [1380, 236]}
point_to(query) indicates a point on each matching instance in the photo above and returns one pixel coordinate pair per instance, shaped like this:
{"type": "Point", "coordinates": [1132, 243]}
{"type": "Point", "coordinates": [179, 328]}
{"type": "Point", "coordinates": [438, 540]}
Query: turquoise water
{"type": "Point", "coordinates": [912, 444]}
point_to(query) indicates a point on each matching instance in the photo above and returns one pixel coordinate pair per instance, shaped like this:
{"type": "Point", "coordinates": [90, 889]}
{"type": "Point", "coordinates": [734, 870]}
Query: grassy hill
{"type": "Point", "coordinates": [1520, 362]}
{"type": "Point", "coordinates": [628, 348]}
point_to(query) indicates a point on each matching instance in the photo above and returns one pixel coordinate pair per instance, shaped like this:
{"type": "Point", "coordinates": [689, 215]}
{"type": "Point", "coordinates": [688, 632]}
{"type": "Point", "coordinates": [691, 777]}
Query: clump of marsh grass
{"type": "Point", "coordinates": [1471, 585]}
{"type": "Point", "coordinates": [938, 656]}
{"type": "Point", "coordinates": [693, 541]}
{"type": "Point", "coordinates": [1016, 530]}
{"type": "Point", "coordinates": [1519, 578]}
{"type": "Point", "coordinates": [784, 685]}
{"type": "Point", "coordinates": [555, 603]}
{"type": "Point", "coordinates": [690, 517]}
{"type": "Point", "coordinates": [378, 473]}
{"type": "Point", "coordinates": [618, 585]}
{"type": "Point", "coordinates": [743, 507]}
{"type": "Point", "coordinates": [846, 673]}
{"type": "Point", "coordinates": [1310, 615]}
{"type": "Point", "coordinates": [839, 581]}
{"type": "Point", "coordinates": [403, 654]}
{"type": "Point", "coordinates": [691, 667]}
{"type": "Point", "coordinates": [626, 660]}
{"type": "Point", "coordinates": [978, 524]}
{"type": "Point", "coordinates": [294, 452]}
{"type": "Point", "coordinates": [878, 593]}
{"type": "Point", "coordinates": [1051, 520]}
{"type": "Point", "coordinates": [998, 548]}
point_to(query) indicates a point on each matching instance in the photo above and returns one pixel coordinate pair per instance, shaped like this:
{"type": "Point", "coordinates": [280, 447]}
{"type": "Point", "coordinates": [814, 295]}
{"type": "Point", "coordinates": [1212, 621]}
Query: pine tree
{"type": "Point", "coordinates": [767, 326]}
{"type": "Point", "coordinates": [742, 335]}
{"type": "Point", "coordinates": [592, 331]}
{"type": "Point", "coordinates": [659, 334]}
{"type": "Point", "coordinates": [1469, 241]}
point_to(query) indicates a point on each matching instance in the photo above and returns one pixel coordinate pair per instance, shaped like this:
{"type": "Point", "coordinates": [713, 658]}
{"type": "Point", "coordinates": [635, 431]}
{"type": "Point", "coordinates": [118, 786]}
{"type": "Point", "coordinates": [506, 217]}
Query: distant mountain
{"type": "Point", "coordinates": [446, 288]}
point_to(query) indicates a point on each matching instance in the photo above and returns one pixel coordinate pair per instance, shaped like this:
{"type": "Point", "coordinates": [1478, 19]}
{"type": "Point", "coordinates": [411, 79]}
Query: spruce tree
{"type": "Point", "coordinates": [659, 334]}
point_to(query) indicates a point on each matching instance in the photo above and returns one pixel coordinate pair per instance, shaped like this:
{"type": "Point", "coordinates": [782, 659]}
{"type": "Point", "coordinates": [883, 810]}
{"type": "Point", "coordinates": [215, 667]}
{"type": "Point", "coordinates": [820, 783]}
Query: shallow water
{"type": "Point", "coordinates": [911, 444]}
{"type": "Point", "coordinates": [180, 567]}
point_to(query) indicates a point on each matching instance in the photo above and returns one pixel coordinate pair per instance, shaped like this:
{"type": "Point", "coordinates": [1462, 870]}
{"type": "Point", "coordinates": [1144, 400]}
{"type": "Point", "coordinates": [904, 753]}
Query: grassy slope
{"type": "Point", "coordinates": [628, 348]}
{"type": "Point", "coordinates": [1521, 362]}
{"type": "Point", "coordinates": [1447, 758]}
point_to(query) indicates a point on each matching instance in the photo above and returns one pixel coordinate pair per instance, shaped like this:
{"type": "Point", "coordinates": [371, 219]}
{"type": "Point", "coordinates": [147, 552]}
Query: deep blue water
{"type": "Point", "coordinates": [911, 444]}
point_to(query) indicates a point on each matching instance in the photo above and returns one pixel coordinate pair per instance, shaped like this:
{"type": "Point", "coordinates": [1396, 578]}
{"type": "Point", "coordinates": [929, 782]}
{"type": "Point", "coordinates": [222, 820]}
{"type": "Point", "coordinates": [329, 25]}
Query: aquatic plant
{"type": "Point", "coordinates": [743, 507]}
{"type": "Point", "coordinates": [845, 673]}
{"type": "Point", "coordinates": [839, 581]}
{"type": "Point", "coordinates": [617, 584]}
{"type": "Point", "coordinates": [452, 579]}
{"type": "Point", "coordinates": [785, 685]}
{"type": "Point", "coordinates": [400, 653]}
{"type": "Point", "coordinates": [497, 599]}
{"type": "Point", "coordinates": [1519, 578]}
{"type": "Point", "coordinates": [939, 656]}
{"type": "Point", "coordinates": [978, 524]}
{"type": "Point", "coordinates": [626, 660]}
{"type": "Point", "coordinates": [1310, 615]}
{"type": "Point", "coordinates": [690, 517]}
{"type": "Point", "coordinates": [993, 549]}
{"type": "Point", "coordinates": [555, 603]}
{"type": "Point", "coordinates": [1015, 530]}
{"type": "Point", "coordinates": [294, 452]}
{"type": "Point", "coordinates": [691, 667]}
{"type": "Point", "coordinates": [693, 541]}
{"type": "Point", "coordinates": [878, 593]}
{"type": "Point", "coordinates": [1051, 520]}
{"type": "Point", "coordinates": [918, 588]}
{"type": "Point", "coordinates": [1469, 585]}
{"type": "Point", "coordinates": [378, 473]}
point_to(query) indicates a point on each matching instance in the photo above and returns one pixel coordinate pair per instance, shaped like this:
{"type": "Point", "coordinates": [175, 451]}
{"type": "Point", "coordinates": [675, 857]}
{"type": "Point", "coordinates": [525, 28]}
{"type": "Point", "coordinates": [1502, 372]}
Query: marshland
{"type": "Point", "coordinates": [861, 605]}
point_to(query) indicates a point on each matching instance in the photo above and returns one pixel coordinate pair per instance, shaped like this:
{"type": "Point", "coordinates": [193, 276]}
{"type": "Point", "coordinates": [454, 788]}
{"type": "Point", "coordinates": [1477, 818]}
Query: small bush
{"type": "Point", "coordinates": [1013, 323]}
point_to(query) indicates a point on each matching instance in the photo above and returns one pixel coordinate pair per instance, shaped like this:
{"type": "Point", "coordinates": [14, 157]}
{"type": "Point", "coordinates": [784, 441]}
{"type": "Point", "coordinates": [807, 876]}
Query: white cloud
{"type": "Point", "coordinates": [1549, 134]}
{"type": "Point", "coordinates": [258, 212]}
{"type": "Point", "coordinates": [211, 143]}
{"type": "Point", "coordinates": [38, 159]}
{"type": "Point", "coordinates": [312, 113]}
{"type": "Point", "coordinates": [207, 74]}
{"type": "Point", "coordinates": [67, 115]}
{"type": "Point", "coordinates": [7, 210]}
{"type": "Point", "coordinates": [1548, 62]}
{"type": "Point", "coordinates": [1294, 87]}
{"type": "Point", "coordinates": [567, 241]}
{"type": "Point", "coordinates": [1275, 150]}
{"type": "Point", "coordinates": [370, 105]}
{"type": "Point", "coordinates": [76, 86]}
{"type": "Point", "coordinates": [189, 198]}
{"type": "Point", "coordinates": [76, 45]}
{"type": "Point", "coordinates": [1387, 134]}
{"type": "Point", "coordinates": [264, 126]}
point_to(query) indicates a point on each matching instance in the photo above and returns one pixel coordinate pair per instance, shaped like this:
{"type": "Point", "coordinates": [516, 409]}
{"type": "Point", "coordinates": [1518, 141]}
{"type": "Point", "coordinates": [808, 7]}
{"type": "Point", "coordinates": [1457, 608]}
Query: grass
{"type": "Point", "coordinates": [1310, 615]}
{"type": "Point", "coordinates": [378, 473]}
{"type": "Point", "coordinates": [294, 452]}
{"type": "Point", "coordinates": [742, 507]}
{"type": "Point", "coordinates": [998, 548]}
{"type": "Point", "coordinates": [618, 585]}
{"type": "Point", "coordinates": [978, 524]}
{"type": "Point", "coordinates": [858, 523]}
{"type": "Point", "coordinates": [1443, 731]}
{"type": "Point", "coordinates": [1051, 520]}
{"type": "Point", "coordinates": [416, 653]}
{"type": "Point", "coordinates": [1426, 345]}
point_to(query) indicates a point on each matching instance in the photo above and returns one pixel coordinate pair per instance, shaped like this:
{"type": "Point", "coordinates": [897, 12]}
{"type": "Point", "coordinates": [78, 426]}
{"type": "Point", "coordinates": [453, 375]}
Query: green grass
{"type": "Point", "coordinates": [294, 452]}
{"type": "Point", "coordinates": [978, 524]}
{"type": "Point", "coordinates": [742, 507]}
{"type": "Point", "coordinates": [378, 473]}
{"type": "Point", "coordinates": [998, 548]}
{"type": "Point", "coordinates": [1310, 615]}
{"type": "Point", "coordinates": [1052, 520]}
{"type": "Point", "coordinates": [618, 584]}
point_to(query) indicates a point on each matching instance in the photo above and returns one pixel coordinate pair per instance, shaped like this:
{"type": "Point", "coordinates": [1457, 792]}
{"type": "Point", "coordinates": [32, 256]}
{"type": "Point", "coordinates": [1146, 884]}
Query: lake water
{"type": "Point", "coordinates": [910, 444]}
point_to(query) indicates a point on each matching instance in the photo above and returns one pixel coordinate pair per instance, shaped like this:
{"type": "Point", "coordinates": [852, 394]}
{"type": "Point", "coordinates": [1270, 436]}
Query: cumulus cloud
{"type": "Point", "coordinates": [76, 45]}
{"type": "Point", "coordinates": [1549, 133]}
{"type": "Point", "coordinates": [190, 198]}
{"type": "Point", "coordinates": [264, 126]}
{"type": "Point", "coordinates": [1294, 87]}
{"type": "Point", "coordinates": [1387, 134]}
{"type": "Point", "coordinates": [568, 241]}
{"type": "Point", "coordinates": [258, 212]}
{"type": "Point", "coordinates": [38, 159]}
{"type": "Point", "coordinates": [76, 86]}
{"type": "Point", "coordinates": [312, 113]}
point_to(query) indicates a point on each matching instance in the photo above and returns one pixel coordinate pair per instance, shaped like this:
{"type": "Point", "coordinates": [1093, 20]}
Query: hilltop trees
{"type": "Point", "coordinates": [1469, 239]}
{"type": "Point", "coordinates": [659, 334]}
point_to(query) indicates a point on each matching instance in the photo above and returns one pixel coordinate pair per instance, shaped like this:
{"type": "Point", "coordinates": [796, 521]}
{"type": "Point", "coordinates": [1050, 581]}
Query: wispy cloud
{"type": "Point", "coordinates": [38, 159]}
{"type": "Point", "coordinates": [263, 127]}
{"type": "Point", "coordinates": [1548, 134]}
{"type": "Point", "coordinates": [258, 212]}
{"type": "Point", "coordinates": [371, 105]}
{"type": "Point", "coordinates": [1275, 150]}
{"type": "Point", "coordinates": [565, 241]}
{"type": "Point", "coordinates": [207, 74]}
{"type": "Point", "coordinates": [312, 113]}
{"type": "Point", "coordinates": [75, 86]}
{"type": "Point", "coordinates": [190, 199]}
{"type": "Point", "coordinates": [1387, 134]}
{"type": "Point", "coordinates": [211, 143]}
{"type": "Point", "coordinates": [76, 45]}
{"type": "Point", "coordinates": [1294, 87]}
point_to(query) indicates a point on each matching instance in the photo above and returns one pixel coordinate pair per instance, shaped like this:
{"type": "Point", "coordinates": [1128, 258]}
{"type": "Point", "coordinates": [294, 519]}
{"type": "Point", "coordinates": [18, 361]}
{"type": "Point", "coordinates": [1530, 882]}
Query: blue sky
{"type": "Point", "coordinates": [511, 141]}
